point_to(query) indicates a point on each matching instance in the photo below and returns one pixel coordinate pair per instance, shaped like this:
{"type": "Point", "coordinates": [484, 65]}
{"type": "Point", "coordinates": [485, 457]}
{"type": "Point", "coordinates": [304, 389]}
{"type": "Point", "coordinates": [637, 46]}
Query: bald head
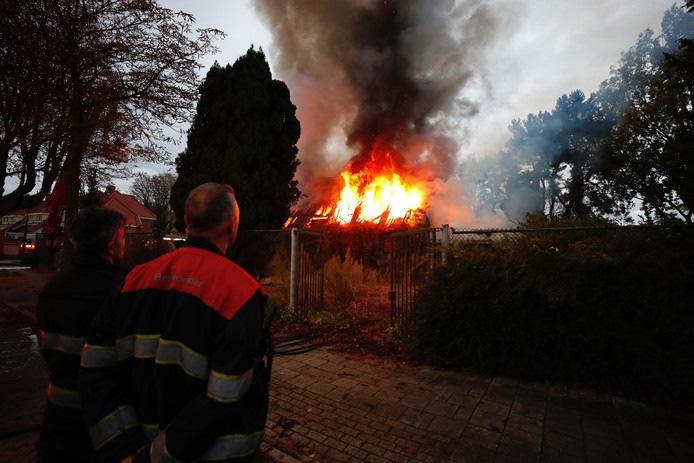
{"type": "Point", "coordinates": [211, 209]}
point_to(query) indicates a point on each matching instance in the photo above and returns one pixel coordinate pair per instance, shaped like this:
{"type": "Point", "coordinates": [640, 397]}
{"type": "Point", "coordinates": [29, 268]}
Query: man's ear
{"type": "Point", "coordinates": [111, 246]}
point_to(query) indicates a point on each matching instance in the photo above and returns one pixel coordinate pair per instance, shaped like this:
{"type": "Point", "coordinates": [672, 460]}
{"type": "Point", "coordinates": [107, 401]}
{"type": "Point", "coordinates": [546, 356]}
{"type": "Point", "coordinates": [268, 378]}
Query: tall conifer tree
{"type": "Point", "coordinates": [244, 133]}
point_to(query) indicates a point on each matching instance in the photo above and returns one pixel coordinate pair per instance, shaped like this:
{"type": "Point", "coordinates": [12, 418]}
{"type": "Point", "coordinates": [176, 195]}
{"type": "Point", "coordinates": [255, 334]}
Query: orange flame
{"type": "Point", "coordinates": [381, 198]}
{"type": "Point", "coordinates": [373, 192]}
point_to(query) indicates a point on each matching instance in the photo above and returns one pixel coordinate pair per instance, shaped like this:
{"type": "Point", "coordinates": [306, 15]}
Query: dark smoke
{"type": "Point", "coordinates": [375, 73]}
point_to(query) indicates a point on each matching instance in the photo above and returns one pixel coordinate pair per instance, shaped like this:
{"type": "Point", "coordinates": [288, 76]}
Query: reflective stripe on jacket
{"type": "Point", "coordinates": [66, 309]}
{"type": "Point", "coordinates": [171, 368]}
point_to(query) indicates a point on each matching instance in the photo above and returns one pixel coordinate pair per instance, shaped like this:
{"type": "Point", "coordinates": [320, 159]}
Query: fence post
{"type": "Point", "coordinates": [445, 241]}
{"type": "Point", "coordinates": [294, 271]}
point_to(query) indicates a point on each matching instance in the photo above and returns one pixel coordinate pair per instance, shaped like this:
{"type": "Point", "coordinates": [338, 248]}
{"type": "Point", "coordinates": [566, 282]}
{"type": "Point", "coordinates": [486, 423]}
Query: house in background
{"type": "Point", "coordinates": [25, 221]}
{"type": "Point", "coordinates": [138, 218]}
{"type": "Point", "coordinates": [24, 228]}
{"type": "Point", "coordinates": [12, 218]}
{"type": "Point", "coordinates": [33, 216]}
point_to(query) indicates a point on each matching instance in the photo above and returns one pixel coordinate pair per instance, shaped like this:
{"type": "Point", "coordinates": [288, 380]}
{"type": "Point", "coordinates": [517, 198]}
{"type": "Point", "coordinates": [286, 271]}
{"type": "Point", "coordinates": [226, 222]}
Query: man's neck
{"type": "Point", "coordinates": [220, 243]}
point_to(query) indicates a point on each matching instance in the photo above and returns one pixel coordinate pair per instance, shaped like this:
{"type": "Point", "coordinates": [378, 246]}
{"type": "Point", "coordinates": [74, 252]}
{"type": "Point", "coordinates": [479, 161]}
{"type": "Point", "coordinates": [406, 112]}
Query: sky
{"type": "Point", "coordinates": [542, 49]}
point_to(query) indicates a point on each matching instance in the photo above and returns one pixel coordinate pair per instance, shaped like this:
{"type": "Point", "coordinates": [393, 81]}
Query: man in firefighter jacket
{"type": "Point", "coordinates": [172, 370]}
{"type": "Point", "coordinates": [66, 308]}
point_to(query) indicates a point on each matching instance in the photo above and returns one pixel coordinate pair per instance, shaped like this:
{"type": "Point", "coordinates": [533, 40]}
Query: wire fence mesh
{"type": "Point", "coordinates": [412, 258]}
{"type": "Point", "coordinates": [362, 273]}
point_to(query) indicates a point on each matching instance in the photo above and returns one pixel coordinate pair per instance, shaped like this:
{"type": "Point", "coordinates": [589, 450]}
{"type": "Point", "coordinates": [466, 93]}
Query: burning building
{"type": "Point", "coordinates": [379, 87]}
{"type": "Point", "coordinates": [376, 193]}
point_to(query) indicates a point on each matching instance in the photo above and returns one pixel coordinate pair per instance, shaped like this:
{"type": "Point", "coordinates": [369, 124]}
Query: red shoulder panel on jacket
{"type": "Point", "coordinates": [215, 280]}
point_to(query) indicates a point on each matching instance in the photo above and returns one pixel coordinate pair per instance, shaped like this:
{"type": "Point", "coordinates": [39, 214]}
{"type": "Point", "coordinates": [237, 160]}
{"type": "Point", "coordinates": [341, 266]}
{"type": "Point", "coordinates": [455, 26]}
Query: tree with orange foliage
{"type": "Point", "coordinates": [103, 78]}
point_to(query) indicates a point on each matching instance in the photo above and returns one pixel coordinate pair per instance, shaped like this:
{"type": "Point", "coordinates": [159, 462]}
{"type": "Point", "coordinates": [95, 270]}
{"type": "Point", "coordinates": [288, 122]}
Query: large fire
{"type": "Point", "coordinates": [367, 198]}
{"type": "Point", "coordinates": [374, 193]}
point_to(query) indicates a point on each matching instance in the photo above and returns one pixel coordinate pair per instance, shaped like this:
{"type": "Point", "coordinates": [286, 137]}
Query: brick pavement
{"type": "Point", "coordinates": [328, 406]}
{"type": "Point", "coordinates": [22, 396]}
{"type": "Point", "coordinates": [333, 407]}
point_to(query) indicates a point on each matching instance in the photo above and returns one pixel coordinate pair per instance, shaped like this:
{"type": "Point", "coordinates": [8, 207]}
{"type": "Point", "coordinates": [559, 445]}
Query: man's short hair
{"type": "Point", "coordinates": [93, 228]}
{"type": "Point", "coordinates": [209, 205]}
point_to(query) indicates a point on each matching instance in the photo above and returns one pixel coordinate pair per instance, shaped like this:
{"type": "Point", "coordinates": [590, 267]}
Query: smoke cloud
{"type": "Point", "coordinates": [389, 75]}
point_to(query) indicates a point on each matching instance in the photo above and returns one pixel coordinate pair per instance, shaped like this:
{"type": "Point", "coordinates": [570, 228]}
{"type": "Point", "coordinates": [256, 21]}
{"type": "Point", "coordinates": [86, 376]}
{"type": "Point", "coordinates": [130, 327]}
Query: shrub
{"type": "Point", "coordinates": [352, 285]}
{"type": "Point", "coordinates": [342, 277]}
{"type": "Point", "coordinates": [276, 281]}
{"type": "Point", "coordinates": [276, 310]}
{"type": "Point", "coordinates": [139, 249]}
{"type": "Point", "coordinates": [604, 308]}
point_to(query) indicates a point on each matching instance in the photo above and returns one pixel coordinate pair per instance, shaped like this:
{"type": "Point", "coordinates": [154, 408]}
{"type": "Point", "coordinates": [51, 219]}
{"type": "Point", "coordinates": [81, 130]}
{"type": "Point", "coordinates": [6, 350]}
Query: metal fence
{"type": "Point", "coordinates": [292, 263]}
{"type": "Point", "coordinates": [591, 228]}
{"type": "Point", "coordinates": [487, 236]}
{"type": "Point", "coordinates": [413, 255]}
{"type": "Point", "coordinates": [309, 253]}
{"type": "Point", "coordinates": [289, 263]}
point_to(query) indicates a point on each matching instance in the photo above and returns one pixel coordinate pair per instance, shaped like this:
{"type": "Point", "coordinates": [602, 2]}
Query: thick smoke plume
{"type": "Point", "coordinates": [384, 75]}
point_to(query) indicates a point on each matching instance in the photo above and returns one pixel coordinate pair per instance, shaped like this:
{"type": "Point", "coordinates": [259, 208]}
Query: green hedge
{"type": "Point", "coordinates": [613, 309]}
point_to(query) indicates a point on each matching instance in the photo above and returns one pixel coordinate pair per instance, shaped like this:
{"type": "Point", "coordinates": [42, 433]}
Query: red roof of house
{"type": "Point", "coordinates": [41, 207]}
{"type": "Point", "coordinates": [130, 207]}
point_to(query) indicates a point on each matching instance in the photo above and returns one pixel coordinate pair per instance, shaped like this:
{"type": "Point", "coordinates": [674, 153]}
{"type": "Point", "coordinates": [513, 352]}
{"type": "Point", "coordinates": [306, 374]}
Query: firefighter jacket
{"type": "Point", "coordinates": [172, 369]}
{"type": "Point", "coordinates": [66, 308]}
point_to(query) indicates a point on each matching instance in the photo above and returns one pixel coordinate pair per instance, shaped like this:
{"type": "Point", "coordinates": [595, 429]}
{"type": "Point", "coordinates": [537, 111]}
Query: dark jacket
{"type": "Point", "coordinates": [66, 309]}
{"type": "Point", "coordinates": [172, 367]}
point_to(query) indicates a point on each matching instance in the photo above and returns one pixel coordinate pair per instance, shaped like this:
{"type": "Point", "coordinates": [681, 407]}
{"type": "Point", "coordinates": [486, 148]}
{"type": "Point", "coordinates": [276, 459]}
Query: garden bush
{"type": "Point", "coordinates": [606, 308]}
{"type": "Point", "coordinates": [141, 249]}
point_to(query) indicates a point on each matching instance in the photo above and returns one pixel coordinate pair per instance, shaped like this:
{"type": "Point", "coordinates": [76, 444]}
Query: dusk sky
{"type": "Point", "coordinates": [542, 49]}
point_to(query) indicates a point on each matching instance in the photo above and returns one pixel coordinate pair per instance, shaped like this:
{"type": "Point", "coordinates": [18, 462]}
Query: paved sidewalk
{"type": "Point", "coordinates": [22, 398]}
{"type": "Point", "coordinates": [23, 381]}
{"type": "Point", "coordinates": [333, 407]}
{"type": "Point", "coordinates": [327, 406]}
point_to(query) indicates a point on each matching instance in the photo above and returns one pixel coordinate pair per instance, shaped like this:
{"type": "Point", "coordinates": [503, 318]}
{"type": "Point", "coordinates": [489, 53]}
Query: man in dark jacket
{"type": "Point", "coordinates": [66, 309]}
{"type": "Point", "coordinates": [172, 367]}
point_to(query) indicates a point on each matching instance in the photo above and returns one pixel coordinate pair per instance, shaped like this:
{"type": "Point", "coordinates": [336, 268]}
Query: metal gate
{"type": "Point", "coordinates": [307, 271]}
{"type": "Point", "coordinates": [412, 258]}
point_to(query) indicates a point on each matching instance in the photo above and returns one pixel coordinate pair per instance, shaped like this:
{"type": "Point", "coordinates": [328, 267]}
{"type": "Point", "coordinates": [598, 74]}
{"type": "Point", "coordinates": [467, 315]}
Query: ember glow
{"type": "Point", "coordinates": [375, 192]}
{"type": "Point", "coordinates": [385, 197]}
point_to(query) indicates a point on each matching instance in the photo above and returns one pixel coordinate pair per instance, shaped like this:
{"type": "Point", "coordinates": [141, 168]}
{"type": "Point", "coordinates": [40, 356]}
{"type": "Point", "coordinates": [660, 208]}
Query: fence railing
{"type": "Point", "coordinates": [414, 254]}
{"type": "Point", "coordinates": [298, 259]}
{"type": "Point", "coordinates": [412, 259]}
{"type": "Point", "coordinates": [495, 231]}
{"type": "Point", "coordinates": [307, 271]}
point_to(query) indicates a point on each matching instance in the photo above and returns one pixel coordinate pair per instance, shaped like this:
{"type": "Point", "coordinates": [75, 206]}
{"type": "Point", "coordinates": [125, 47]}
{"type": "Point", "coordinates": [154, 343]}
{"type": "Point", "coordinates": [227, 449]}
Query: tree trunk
{"type": "Point", "coordinates": [80, 132]}
{"type": "Point", "coordinates": [577, 188]}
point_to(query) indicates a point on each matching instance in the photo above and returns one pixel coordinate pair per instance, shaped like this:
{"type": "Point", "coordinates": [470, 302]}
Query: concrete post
{"type": "Point", "coordinates": [445, 241]}
{"type": "Point", "coordinates": [294, 271]}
